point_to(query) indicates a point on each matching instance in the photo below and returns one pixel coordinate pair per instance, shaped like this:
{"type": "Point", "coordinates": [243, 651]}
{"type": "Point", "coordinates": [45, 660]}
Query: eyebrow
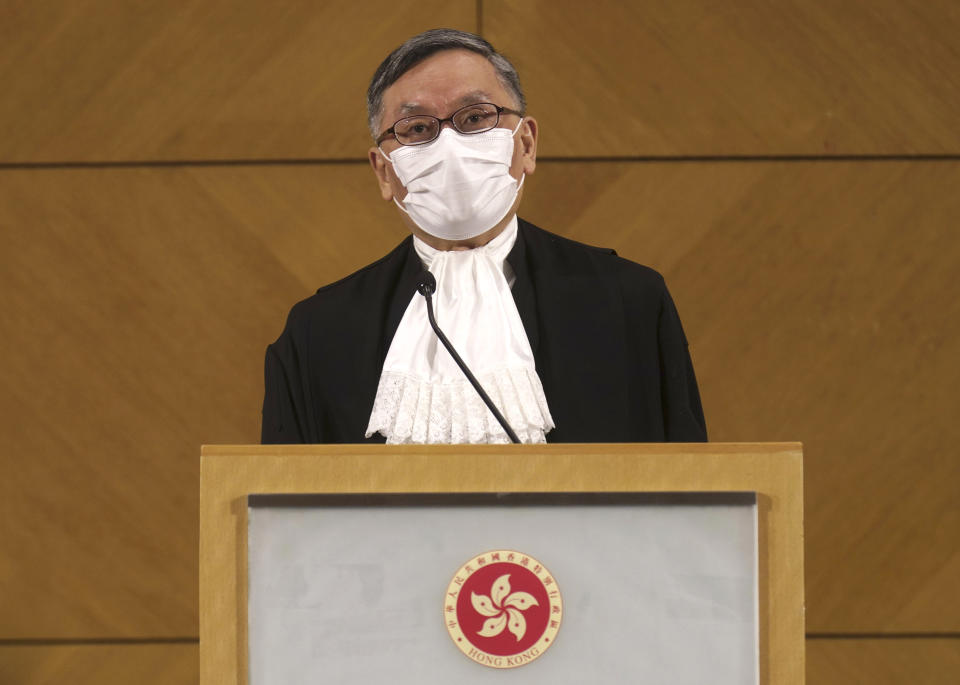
{"type": "Point", "coordinates": [468, 99]}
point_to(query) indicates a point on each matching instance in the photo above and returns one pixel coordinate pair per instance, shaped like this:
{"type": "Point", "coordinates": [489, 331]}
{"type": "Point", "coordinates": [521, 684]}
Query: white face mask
{"type": "Point", "coordinates": [458, 186]}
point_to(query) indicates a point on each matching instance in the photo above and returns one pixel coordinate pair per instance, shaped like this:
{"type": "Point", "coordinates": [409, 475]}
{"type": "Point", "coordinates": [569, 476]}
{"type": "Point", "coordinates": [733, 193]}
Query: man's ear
{"type": "Point", "coordinates": [528, 144]}
{"type": "Point", "coordinates": [379, 165]}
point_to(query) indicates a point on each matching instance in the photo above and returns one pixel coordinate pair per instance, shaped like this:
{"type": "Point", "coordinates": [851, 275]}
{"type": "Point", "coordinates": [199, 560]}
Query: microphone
{"type": "Point", "coordinates": [427, 286]}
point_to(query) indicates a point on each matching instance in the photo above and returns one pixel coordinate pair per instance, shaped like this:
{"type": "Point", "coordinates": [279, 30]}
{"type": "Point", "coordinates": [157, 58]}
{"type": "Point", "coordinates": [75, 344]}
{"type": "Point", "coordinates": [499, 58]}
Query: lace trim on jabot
{"type": "Point", "coordinates": [410, 410]}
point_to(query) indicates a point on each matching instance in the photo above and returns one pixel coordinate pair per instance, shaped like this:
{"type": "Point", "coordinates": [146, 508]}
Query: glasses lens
{"type": "Point", "coordinates": [416, 130]}
{"type": "Point", "coordinates": [476, 118]}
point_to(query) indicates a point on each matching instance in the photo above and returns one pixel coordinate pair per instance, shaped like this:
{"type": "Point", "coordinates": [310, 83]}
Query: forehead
{"type": "Point", "coordinates": [443, 82]}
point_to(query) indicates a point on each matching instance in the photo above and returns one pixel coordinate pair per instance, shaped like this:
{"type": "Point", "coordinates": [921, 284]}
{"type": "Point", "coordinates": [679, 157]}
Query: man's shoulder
{"type": "Point", "coordinates": [384, 268]}
{"type": "Point", "coordinates": [551, 251]}
{"type": "Point", "coordinates": [359, 289]}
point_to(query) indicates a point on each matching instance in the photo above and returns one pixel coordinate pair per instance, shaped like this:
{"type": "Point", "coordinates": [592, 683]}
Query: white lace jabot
{"type": "Point", "coordinates": [423, 396]}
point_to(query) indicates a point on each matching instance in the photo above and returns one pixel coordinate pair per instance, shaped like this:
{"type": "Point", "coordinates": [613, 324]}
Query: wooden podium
{"type": "Point", "coordinates": [230, 474]}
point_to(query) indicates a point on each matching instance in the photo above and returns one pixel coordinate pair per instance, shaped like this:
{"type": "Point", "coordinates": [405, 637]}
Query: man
{"type": "Point", "coordinates": [573, 343]}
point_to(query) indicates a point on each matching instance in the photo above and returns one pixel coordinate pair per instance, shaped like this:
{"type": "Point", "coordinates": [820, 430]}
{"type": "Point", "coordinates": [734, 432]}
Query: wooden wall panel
{"type": "Point", "coordinates": [822, 305]}
{"type": "Point", "coordinates": [819, 300]}
{"type": "Point", "coordinates": [696, 77]}
{"type": "Point", "coordinates": [107, 80]}
{"type": "Point", "coordinates": [136, 305]}
{"type": "Point", "coordinates": [94, 664]}
{"type": "Point", "coordinates": [883, 661]}
{"type": "Point", "coordinates": [197, 79]}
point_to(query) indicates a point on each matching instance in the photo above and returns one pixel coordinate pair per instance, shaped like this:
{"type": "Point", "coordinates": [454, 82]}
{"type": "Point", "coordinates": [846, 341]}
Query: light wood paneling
{"type": "Point", "coordinates": [198, 79]}
{"type": "Point", "coordinates": [108, 80]}
{"type": "Point", "coordinates": [136, 306]}
{"type": "Point", "coordinates": [883, 662]}
{"type": "Point", "coordinates": [819, 299]}
{"type": "Point", "coordinates": [697, 77]}
{"type": "Point", "coordinates": [116, 664]}
{"type": "Point", "coordinates": [822, 305]}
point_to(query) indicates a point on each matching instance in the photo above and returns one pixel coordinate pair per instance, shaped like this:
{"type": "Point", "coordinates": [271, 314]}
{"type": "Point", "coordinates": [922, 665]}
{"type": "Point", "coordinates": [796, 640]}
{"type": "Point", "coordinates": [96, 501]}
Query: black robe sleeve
{"type": "Point", "coordinates": [680, 398]}
{"type": "Point", "coordinates": [283, 422]}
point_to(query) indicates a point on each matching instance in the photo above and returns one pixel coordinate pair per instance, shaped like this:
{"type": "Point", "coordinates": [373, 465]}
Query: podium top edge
{"type": "Point", "coordinates": [585, 449]}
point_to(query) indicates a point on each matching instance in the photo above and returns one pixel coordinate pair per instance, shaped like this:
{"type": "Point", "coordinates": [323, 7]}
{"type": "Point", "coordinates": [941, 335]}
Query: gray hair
{"type": "Point", "coordinates": [421, 46]}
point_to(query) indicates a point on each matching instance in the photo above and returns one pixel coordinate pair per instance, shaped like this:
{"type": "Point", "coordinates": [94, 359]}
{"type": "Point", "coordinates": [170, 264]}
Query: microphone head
{"type": "Point", "coordinates": [427, 285]}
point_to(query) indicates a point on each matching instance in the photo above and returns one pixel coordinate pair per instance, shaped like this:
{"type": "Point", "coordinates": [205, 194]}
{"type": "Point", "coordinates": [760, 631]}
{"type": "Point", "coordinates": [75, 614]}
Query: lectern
{"type": "Point", "coordinates": [606, 563]}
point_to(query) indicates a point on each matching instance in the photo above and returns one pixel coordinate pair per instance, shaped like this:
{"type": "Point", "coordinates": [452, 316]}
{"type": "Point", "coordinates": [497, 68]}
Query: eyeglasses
{"type": "Point", "coordinates": [423, 128]}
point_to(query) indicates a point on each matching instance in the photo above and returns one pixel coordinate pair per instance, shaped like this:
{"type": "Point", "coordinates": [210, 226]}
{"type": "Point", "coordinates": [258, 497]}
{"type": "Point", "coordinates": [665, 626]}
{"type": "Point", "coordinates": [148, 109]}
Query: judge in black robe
{"type": "Point", "coordinates": [605, 335]}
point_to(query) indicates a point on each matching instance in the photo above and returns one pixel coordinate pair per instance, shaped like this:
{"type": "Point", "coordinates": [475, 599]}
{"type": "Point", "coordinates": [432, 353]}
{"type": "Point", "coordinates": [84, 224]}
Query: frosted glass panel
{"type": "Point", "coordinates": [657, 588]}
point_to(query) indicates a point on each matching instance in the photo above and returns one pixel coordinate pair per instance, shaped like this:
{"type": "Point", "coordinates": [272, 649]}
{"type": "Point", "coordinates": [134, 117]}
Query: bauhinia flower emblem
{"type": "Point", "coordinates": [503, 609]}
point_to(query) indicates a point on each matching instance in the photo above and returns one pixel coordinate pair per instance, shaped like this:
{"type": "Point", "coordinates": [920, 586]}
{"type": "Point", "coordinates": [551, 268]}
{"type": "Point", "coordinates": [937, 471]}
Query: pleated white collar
{"type": "Point", "coordinates": [423, 396]}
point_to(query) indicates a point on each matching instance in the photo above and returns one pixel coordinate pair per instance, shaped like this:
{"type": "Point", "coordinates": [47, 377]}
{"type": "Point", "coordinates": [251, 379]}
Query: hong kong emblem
{"type": "Point", "coordinates": [503, 609]}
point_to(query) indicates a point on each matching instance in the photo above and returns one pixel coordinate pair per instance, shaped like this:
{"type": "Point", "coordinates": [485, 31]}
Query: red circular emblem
{"type": "Point", "coordinates": [503, 609]}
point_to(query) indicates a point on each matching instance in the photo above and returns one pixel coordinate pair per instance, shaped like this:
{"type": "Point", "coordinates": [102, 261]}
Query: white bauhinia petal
{"type": "Point", "coordinates": [520, 600]}
{"type": "Point", "coordinates": [516, 623]}
{"type": "Point", "coordinates": [493, 626]}
{"type": "Point", "coordinates": [483, 605]}
{"type": "Point", "coordinates": [501, 588]}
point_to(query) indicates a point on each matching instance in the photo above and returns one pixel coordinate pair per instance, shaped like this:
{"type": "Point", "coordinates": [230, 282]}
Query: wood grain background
{"type": "Point", "coordinates": [173, 176]}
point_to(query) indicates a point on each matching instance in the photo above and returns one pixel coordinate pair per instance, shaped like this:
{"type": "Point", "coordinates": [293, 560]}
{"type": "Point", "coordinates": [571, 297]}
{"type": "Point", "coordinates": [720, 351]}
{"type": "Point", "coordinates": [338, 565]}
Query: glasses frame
{"type": "Point", "coordinates": [440, 122]}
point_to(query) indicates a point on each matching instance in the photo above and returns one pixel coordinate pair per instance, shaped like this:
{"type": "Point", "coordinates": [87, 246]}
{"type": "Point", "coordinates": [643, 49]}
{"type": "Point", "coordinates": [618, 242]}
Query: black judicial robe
{"type": "Point", "coordinates": [606, 337]}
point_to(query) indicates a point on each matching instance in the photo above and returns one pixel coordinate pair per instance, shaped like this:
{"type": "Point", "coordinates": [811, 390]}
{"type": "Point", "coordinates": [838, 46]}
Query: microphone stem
{"type": "Point", "coordinates": [463, 367]}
